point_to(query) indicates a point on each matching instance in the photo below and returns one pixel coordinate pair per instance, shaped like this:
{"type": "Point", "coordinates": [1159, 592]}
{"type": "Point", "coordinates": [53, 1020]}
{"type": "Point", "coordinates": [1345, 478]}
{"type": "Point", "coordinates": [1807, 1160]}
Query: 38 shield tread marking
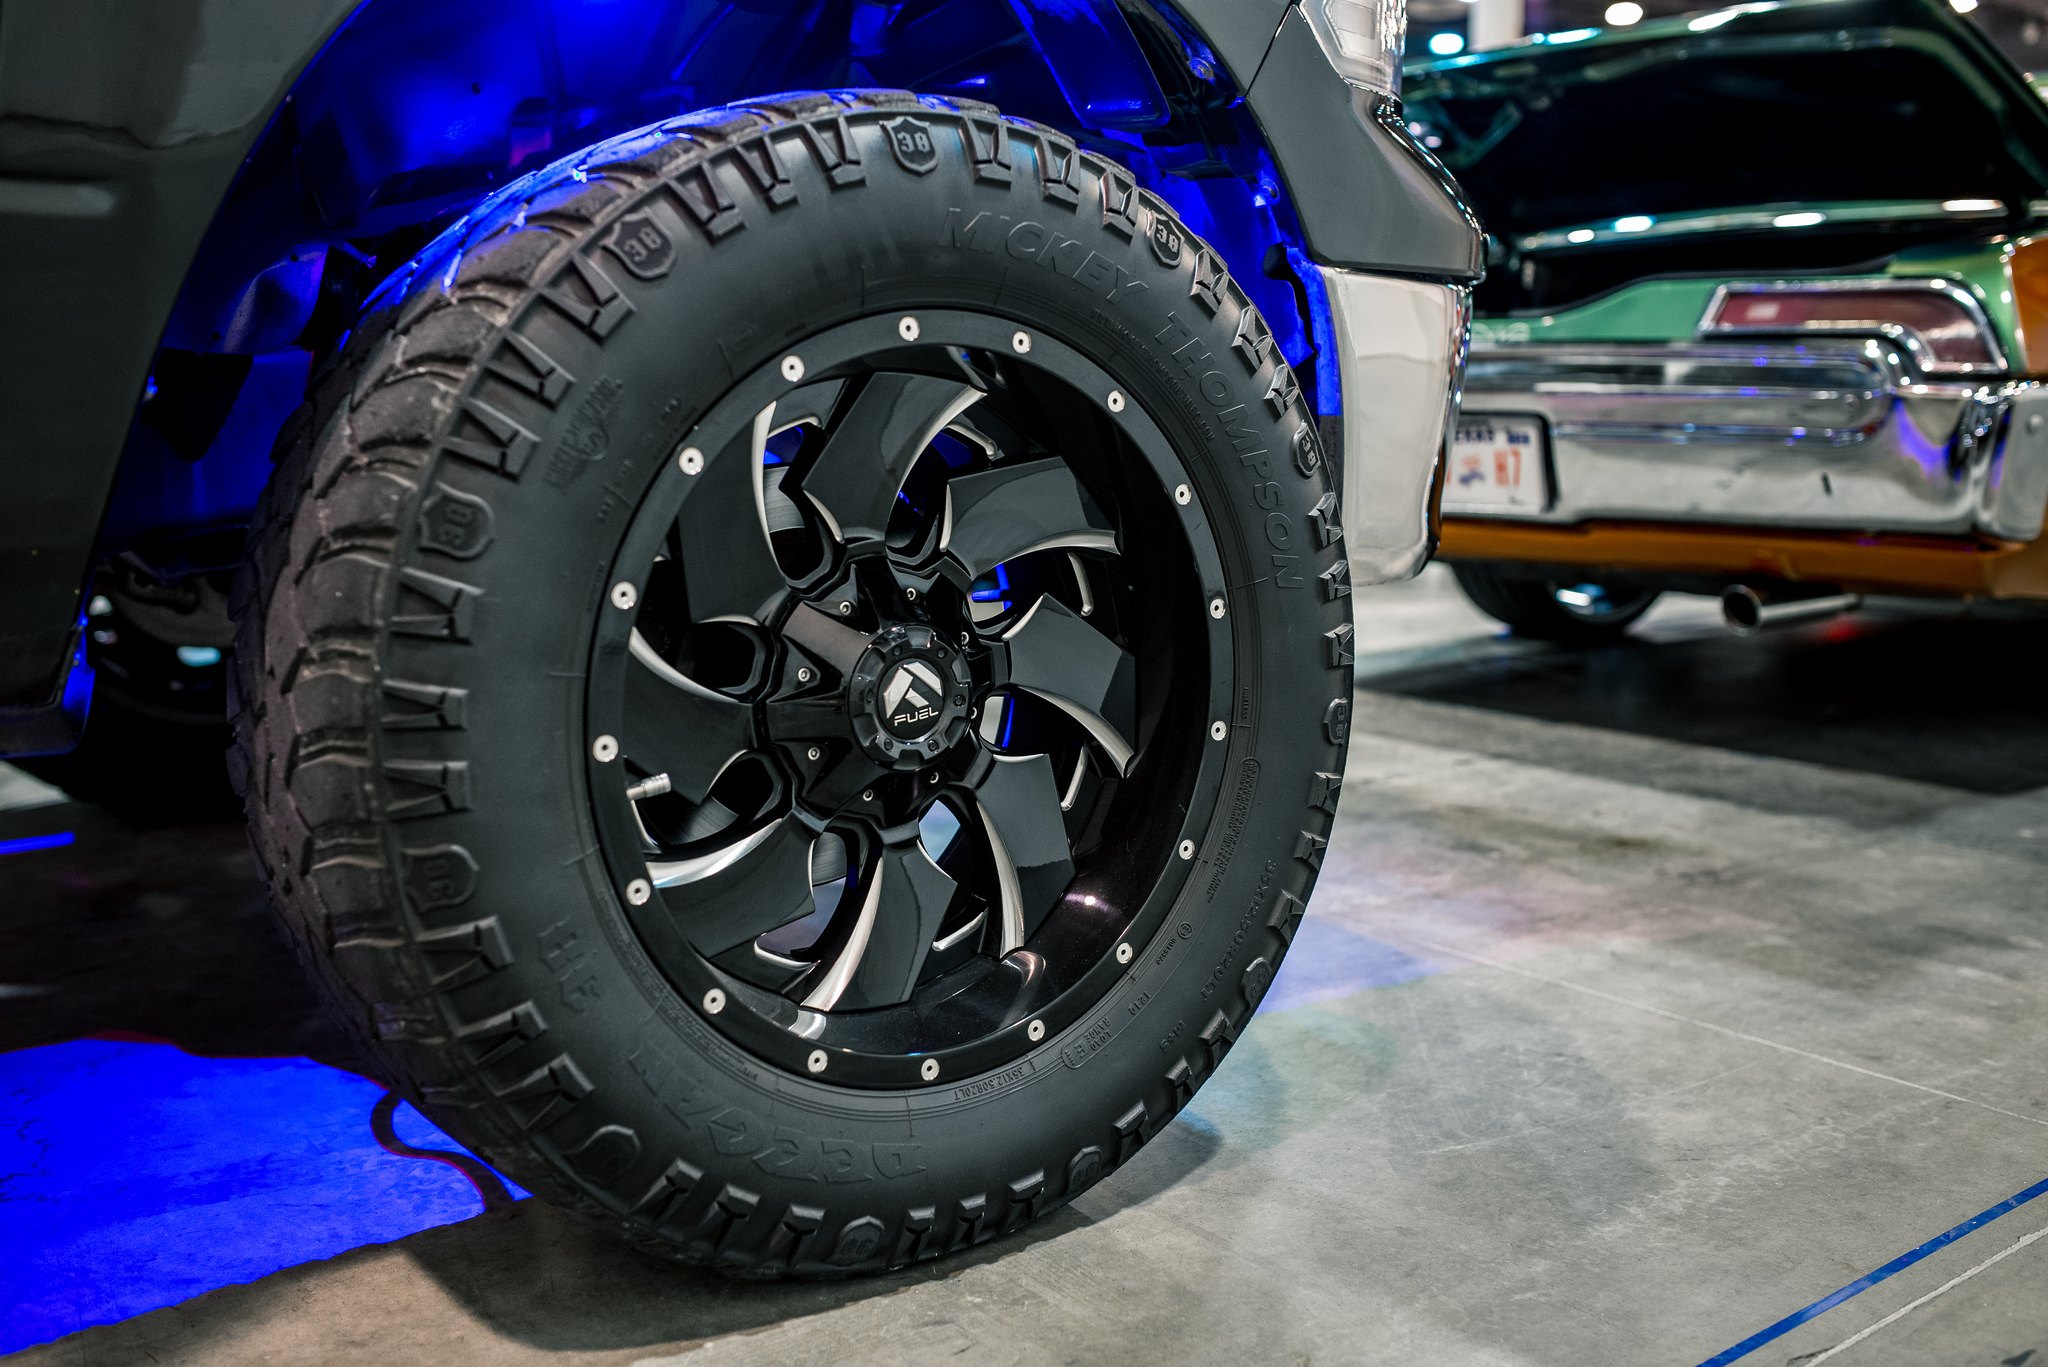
{"type": "Point", "coordinates": [432, 437]}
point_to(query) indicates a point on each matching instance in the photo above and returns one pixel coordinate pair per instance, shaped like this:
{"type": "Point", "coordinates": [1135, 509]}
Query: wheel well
{"type": "Point", "coordinates": [415, 109]}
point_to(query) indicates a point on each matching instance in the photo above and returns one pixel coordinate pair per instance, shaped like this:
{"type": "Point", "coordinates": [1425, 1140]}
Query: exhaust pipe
{"type": "Point", "coordinates": [1747, 611]}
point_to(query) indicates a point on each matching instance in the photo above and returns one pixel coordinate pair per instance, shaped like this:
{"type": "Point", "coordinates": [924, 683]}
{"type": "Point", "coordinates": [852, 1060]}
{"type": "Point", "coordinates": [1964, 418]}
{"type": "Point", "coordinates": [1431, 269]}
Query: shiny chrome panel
{"type": "Point", "coordinates": [1830, 434]}
{"type": "Point", "coordinates": [1401, 355]}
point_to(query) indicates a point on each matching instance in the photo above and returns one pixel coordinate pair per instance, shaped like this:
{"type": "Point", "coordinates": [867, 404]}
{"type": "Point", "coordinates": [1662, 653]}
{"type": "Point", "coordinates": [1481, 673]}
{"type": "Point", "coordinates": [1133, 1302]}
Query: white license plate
{"type": "Point", "coordinates": [1497, 466]}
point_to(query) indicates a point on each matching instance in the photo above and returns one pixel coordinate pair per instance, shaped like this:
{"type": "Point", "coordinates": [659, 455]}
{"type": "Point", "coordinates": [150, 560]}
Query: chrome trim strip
{"type": "Point", "coordinates": [1401, 347]}
{"type": "Point", "coordinates": [1833, 434]}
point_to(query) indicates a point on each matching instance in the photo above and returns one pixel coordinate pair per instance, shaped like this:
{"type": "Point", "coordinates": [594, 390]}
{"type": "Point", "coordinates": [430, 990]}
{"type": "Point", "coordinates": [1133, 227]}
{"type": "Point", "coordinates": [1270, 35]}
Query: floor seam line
{"type": "Point", "coordinates": [1792, 1049]}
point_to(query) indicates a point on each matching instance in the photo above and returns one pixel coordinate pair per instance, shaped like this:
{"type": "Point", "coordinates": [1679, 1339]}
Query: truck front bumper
{"type": "Point", "coordinates": [1401, 347]}
{"type": "Point", "coordinates": [1828, 436]}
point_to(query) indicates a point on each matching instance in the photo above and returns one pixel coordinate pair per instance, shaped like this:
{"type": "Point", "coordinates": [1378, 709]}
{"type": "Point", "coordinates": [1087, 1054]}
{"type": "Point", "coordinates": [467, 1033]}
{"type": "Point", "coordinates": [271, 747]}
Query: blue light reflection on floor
{"type": "Point", "coordinates": [1327, 961]}
{"type": "Point", "coordinates": [134, 1176]}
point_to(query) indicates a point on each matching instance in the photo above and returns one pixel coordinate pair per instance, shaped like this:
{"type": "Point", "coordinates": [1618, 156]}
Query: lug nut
{"type": "Point", "coordinates": [867, 795]}
{"type": "Point", "coordinates": [803, 676]}
{"type": "Point", "coordinates": [846, 608]}
{"type": "Point", "coordinates": [816, 754]}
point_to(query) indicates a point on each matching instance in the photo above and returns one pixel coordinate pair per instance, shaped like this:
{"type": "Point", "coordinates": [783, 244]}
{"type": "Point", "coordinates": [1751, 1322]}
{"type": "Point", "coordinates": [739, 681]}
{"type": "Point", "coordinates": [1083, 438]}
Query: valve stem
{"type": "Point", "coordinates": [650, 787]}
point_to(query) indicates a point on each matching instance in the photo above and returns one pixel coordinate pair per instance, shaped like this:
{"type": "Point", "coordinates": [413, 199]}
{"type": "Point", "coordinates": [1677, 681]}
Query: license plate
{"type": "Point", "coordinates": [1497, 466]}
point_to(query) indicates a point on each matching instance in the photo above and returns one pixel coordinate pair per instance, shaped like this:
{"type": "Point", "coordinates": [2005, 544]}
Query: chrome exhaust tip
{"type": "Point", "coordinates": [1747, 611]}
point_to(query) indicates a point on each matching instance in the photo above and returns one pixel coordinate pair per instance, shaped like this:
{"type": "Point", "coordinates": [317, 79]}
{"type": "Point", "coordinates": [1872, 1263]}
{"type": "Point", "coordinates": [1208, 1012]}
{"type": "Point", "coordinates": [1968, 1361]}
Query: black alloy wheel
{"type": "Point", "coordinates": [870, 766]}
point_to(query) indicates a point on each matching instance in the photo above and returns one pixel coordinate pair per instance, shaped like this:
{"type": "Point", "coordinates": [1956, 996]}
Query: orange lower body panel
{"type": "Point", "coordinates": [1949, 567]}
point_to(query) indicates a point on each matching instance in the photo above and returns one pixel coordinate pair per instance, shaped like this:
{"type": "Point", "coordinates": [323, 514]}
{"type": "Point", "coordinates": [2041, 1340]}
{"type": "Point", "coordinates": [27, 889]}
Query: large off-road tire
{"type": "Point", "coordinates": [1570, 612]}
{"type": "Point", "coordinates": [512, 609]}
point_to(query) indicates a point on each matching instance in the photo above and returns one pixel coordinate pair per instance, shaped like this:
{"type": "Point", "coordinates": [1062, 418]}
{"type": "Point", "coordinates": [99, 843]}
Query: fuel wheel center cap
{"type": "Point", "coordinates": [909, 696]}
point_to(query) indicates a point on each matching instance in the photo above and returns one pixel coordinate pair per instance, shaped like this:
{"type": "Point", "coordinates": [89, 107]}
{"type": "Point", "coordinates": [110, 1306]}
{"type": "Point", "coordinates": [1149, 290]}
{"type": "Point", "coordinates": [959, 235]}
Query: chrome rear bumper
{"type": "Point", "coordinates": [1400, 354]}
{"type": "Point", "coordinates": [1824, 435]}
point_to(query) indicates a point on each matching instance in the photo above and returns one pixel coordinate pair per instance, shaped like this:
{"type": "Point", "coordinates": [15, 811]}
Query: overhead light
{"type": "Point", "coordinates": [1624, 12]}
{"type": "Point", "coordinates": [1722, 16]}
{"type": "Point", "coordinates": [1962, 6]}
{"type": "Point", "coordinates": [1446, 44]}
{"type": "Point", "coordinates": [1973, 206]}
{"type": "Point", "coordinates": [1634, 223]}
{"type": "Point", "coordinates": [1570, 35]}
{"type": "Point", "coordinates": [1580, 235]}
{"type": "Point", "coordinates": [1801, 220]}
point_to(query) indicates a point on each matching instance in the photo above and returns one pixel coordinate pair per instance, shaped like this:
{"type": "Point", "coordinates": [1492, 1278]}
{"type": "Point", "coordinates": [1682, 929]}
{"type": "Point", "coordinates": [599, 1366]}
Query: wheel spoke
{"type": "Point", "coordinates": [676, 726]}
{"type": "Point", "coordinates": [729, 569]}
{"type": "Point", "coordinates": [902, 906]}
{"type": "Point", "coordinates": [1012, 510]}
{"type": "Point", "coordinates": [1019, 804]}
{"type": "Point", "coordinates": [831, 641]}
{"type": "Point", "coordinates": [860, 469]}
{"type": "Point", "coordinates": [1060, 658]}
{"type": "Point", "coordinates": [728, 896]}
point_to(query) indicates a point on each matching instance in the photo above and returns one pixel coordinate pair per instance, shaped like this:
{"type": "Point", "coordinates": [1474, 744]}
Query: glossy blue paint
{"type": "Point", "coordinates": [134, 1176]}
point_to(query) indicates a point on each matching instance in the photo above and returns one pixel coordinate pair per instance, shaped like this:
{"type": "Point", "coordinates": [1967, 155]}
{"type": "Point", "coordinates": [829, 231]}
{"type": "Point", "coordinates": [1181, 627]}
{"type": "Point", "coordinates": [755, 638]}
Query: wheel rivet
{"type": "Point", "coordinates": [624, 595]}
{"type": "Point", "coordinates": [803, 676]}
{"type": "Point", "coordinates": [965, 637]}
{"type": "Point", "coordinates": [1183, 495]}
{"type": "Point", "coordinates": [846, 609]}
{"type": "Point", "coordinates": [792, 368]}
{"type": "Point", "coordinates": [910, 594]}
{"type": "Point", "coordinates": [867, 795]}
{"type": "Point", "coordinates": [1218, 731]}
{"type": "Point", "coordinates": [1116, 401]}
{"type": "Point", "coordinates": [1035, 1031]}
{"type": "Point", "coordinates": [928, 1070]}
{"type": "Point", "coordinates": [1216, 607]}
{"type": "Point", "coordinates": [907, 329]}
{"type": "Point", "coordinates": [714, 1001]}
{"type": "Point", "coordinates": [1021, 343]}
{"type": "Point", "coordinates": [1123, 953]}
{"type": "Point", "coordinates": [691, 460]}
{"type": "Point", "coordinates": [638, 891]}
{"type": "Point", "coordinates": [604, 749]}
{"type": "Point", "coordinates": [1187, 849]}
{"type": "Point", "coordinates": [816, 754]}
{"type": "Point", "coordinates": [816, 1062]}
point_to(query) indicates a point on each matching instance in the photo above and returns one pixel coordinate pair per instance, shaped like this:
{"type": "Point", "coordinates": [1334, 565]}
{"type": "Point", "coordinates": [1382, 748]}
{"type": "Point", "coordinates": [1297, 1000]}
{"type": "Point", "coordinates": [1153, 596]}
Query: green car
{"type": "Point", "coordinates": [1764, 306]}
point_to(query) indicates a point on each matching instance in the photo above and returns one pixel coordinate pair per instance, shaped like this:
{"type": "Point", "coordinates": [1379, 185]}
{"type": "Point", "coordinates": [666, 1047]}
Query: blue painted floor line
{"type": "Point", "coordinates": [1872, 1278]}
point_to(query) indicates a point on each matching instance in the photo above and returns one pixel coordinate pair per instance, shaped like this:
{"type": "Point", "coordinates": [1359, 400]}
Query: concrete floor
{"type": "Point", "coordinates": [1650, 995]}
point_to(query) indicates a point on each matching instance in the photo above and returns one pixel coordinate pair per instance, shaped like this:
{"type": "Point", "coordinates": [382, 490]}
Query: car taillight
{"type": "Point", "coordinates": [1942, 321]}
{"type": "Point", "coordinates": [1362, 39]}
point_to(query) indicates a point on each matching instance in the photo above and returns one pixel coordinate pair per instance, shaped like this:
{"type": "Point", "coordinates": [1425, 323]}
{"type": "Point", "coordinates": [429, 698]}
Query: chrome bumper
{"type": "Point", "coordinates": [1400, 354]}
{"type": "Point", "coordinates": [1832, 435]}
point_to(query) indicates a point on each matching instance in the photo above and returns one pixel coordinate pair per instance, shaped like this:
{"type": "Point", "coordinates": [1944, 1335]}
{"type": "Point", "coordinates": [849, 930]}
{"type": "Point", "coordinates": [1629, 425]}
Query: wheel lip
{"type": "Point", "coordinates": [670, 960]}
